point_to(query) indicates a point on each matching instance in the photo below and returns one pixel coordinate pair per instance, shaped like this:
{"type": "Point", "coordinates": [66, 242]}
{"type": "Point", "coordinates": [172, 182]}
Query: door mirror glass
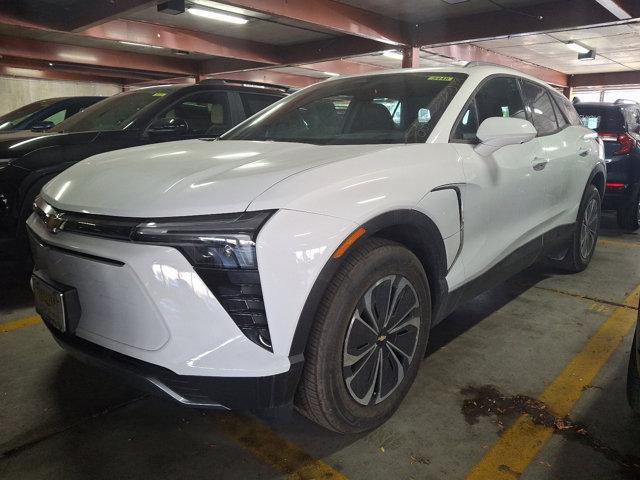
{"type": "Point", "coordinates": [497, 132]}
{"type": "Point", "coordinates": [169, 126]}
{"type": "Point", "coordinates": [42, 126]}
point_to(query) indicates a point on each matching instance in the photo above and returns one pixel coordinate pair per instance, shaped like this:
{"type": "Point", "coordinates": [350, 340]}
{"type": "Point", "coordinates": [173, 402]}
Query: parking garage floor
{"type": "Point", "coordinates": [490, 400]}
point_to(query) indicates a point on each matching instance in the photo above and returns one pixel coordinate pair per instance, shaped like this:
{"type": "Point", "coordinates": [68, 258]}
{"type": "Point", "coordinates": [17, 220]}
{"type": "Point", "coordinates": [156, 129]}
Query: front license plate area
{"type": "Point", "coordinates": [59, 307]}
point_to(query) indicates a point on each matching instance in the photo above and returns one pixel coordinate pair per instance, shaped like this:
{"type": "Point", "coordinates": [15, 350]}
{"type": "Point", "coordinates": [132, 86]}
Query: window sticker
{"type": "Point", "coordinates": [440, 78]}
{"type": "Point", "coordinates": [505, 111]}
{"type": "Point", "coordinates": [159, 94]}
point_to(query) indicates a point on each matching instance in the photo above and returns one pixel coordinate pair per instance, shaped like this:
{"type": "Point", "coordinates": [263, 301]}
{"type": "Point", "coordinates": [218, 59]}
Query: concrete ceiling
{"type": "Point", "coordinates": [617, 49]}
{"type": "Point", "coordinates": [418, 11]}
{"type": "Point", "coordinates": [261, 28]}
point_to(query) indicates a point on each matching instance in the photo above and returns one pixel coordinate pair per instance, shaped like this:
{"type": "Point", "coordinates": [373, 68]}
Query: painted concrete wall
{"type": "Point", "coordinates": [17, 92]}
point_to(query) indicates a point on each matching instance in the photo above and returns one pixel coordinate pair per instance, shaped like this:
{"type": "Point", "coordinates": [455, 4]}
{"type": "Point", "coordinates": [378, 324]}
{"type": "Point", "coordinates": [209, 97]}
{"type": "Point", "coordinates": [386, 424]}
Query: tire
{"type": "Point", "coordinates": [633, 380]}
{"type": "Point", "coordinates": [336, 389]}
{"type": "Point", "coordinates": [629, 216]}
{"type": "Point", "coordinates": [578, 254]}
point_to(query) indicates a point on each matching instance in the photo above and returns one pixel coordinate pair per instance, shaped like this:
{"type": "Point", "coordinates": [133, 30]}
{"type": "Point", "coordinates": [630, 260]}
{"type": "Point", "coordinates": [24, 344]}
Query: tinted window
{"type": "Point", "coordinates": [562, 122]}
{"type": "Point", "coordinates": [12, 119]}
{"type": "Point", "coordinates": [204, 112]}
{"type": "Point", "coordinates": [498, 97]}
{"type": "Point", "coordinates": [601, 118]}
{"type": "Point", "coordinates": [374, 109]}
{"type": "Point", "coordinates": [568, 109]}
{"type": "Point", "coordinates": [632, 115]}
{"type": "Point", "coordinates": [254, 102]}
{"type": "Point", "coordinates": [541, 108]}
{"type": "Point", "coordinates": [114, 113]}
{"type": "Point", "coordinates": [57, 117]}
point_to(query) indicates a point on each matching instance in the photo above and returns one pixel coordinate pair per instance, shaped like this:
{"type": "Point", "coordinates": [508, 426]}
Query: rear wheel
{"type": "Point", "coordinates": [585, 235]}
{"type": "Point", "coordinates": [629, 216]}
{"type": "Point", "coordinates": [368, 339]}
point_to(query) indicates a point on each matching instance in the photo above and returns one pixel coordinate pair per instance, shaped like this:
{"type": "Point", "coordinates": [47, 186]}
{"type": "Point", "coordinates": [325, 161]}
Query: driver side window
{"type": "Point", "coordinates": [498, 97]}
{"type": "Point", "coordinates": [206, 113]}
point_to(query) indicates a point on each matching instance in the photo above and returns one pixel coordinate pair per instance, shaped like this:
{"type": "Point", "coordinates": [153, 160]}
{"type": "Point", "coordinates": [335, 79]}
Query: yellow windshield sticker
{"type": "Point", "coordinates": [440, 78]}
{"type": "Point", "coordinates": [159, 94]}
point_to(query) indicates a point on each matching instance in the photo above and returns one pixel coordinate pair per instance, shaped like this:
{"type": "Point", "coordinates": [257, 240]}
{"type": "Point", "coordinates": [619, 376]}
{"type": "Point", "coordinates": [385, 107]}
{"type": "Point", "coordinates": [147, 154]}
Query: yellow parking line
{"type": "Point", "coordinates": [618, 243]}
{"type": "Point", "coordinates": [520, 444]}
{"type": "Point", "coordinates": [16, 324]}
{"type": "Point", "coordinates": [274, 450]}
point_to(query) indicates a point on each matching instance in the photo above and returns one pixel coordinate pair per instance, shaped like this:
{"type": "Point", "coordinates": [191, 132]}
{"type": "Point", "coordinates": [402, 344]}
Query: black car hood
{"type": "Point", "coordinates": [19, 145]}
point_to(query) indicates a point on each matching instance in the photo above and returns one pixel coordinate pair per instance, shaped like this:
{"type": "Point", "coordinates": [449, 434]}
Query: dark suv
{"type": "Point", "coordinates": [618, 125]}
{"type": "Point", "coordinates": [44, 114]}
{"type": "Point", "coordinates": [28, 160]}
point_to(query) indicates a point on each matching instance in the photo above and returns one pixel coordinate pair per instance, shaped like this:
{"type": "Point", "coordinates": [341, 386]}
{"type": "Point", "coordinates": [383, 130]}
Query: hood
{"type": "Point", "coordinates": [192, 177]}
{"type": "Point", "coordinates": [18, 144]}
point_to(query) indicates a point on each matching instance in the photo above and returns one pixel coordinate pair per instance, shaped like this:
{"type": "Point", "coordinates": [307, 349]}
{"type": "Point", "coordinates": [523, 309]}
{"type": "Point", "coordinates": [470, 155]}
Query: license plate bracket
{"type": "Point", "coordinates": [57, 304]}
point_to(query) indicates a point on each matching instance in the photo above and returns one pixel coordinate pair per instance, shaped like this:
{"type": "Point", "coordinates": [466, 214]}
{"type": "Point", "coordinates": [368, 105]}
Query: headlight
{"type": "Point", "coordinates": [222, 250]}
{"type": "Point", "coordinates": [223, 241]}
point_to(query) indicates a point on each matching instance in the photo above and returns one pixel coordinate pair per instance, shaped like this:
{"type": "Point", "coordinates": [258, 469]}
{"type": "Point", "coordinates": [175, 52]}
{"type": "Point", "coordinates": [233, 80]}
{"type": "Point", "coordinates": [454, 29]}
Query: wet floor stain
{"type": "Point", "coordinates": [487, 401]}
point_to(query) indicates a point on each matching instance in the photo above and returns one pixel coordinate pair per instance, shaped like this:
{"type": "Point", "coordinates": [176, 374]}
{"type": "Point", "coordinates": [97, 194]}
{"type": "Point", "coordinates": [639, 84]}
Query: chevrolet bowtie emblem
{"type": "Point", "coordinates": [54, 222]}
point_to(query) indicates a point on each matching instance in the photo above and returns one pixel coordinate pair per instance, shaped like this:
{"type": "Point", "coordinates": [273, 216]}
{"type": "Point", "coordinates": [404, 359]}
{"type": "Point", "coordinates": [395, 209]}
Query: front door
{"type": "Point", "coordinates": [502, 208]}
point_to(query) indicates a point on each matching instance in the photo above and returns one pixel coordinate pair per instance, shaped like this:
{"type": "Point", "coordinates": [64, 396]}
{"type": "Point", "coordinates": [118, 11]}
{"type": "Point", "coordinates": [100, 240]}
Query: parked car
{"type": "Point", "coordinates": [618, 125]}
{"type": "Point", "coordinates": [306, 254]}
{"type": "Point", "coordinates": [44, 114]}
{"type": "Point", "coordinates": [147, 115]}
{"type": "Point", "coordinates": [633, 371]}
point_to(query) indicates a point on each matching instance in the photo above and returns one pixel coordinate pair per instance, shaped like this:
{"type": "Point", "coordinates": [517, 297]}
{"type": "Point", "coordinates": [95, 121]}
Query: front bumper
{"type": "Point", "coordinates": [238, 393]}
{"type": "Point", "coordinates": [147, 313]}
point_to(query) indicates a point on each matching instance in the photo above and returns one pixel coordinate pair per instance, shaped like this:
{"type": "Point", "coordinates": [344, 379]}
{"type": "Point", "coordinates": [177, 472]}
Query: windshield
{"type": "Point", "coordinates": [9, 120]}
{"type": "Point", "coordinates": [389, 108]}
{"type": "Point", "coordinates": [114, 113]}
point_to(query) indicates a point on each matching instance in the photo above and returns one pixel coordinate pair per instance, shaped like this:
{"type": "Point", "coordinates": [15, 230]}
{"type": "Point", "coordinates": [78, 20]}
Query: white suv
{"type": "Point", "coordinates": [304, 257]}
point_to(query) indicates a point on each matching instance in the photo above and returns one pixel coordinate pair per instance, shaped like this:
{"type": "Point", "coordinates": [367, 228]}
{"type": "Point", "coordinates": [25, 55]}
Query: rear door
{"type": "Point", "coordinates": [557, 150]}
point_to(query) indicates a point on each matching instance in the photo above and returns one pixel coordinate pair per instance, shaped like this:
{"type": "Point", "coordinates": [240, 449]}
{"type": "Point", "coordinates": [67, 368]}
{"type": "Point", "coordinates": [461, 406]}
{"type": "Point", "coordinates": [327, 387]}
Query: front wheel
{"type": "Point", "coordinates": [368, 339]}
{"type": "Point", "coordinates": [585, 235]}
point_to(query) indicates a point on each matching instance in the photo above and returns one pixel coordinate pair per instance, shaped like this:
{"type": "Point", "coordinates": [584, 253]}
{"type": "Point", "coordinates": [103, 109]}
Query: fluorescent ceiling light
{"type": "Point", "coordinates": [136, 44]}
{"type": "Point", "coordinates": [576, 47]}
{"type": "Point", "coordinates": [332, 74]}
{"type": "Point", "coordinates": [392, 54]}
{"type": "Point", "coordinates": [615, 9]}
{"type": "Point", "coordinates": [221, 17]}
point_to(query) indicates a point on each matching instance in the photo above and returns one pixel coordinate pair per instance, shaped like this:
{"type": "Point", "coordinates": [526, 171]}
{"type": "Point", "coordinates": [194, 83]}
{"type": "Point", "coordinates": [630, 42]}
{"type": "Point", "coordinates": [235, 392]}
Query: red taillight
{"type": "Point", "coordinates": [624, 139]}
{"type": "Point", "coordinates": [615, 186]}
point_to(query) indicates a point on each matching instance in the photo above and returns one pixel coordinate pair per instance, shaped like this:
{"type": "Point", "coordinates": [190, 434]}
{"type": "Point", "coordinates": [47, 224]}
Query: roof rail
{"type": "Point", "coordinates": [246, 83]}
{"type": "Point", "coordinates": [624, 101]}
{"type": "Point", "coordinates": [479, 63]}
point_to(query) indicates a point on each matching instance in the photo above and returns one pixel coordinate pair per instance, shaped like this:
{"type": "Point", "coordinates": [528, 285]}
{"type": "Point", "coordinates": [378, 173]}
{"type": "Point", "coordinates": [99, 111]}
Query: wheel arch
{"type": "Point", "coordinates": [413, 229]}
{"type": "Point", "coordinates": [597, 178]}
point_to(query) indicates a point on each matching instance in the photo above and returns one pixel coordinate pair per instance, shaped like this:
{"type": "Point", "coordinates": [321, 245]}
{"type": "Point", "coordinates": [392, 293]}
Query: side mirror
{"type": "Point", "coordinates": [42, 126]}
{"type": "Point", "coordinates": [169, 126]}
{"type": "Point", "coordinates": [497, 132]}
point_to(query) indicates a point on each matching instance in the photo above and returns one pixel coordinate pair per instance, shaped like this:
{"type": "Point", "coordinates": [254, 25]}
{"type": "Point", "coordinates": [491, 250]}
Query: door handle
{"type": "Point", "coordinates": [584, 153]}
{"type": "Point", "coordinates": [539, 163]}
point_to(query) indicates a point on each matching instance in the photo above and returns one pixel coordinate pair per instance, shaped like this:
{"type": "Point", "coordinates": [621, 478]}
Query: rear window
{"type": "Point", "coordinates": [601, 118]}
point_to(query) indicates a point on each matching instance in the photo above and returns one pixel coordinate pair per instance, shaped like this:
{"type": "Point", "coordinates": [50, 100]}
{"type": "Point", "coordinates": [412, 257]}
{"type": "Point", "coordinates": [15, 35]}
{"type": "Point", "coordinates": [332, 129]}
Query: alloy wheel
{"type": "Point", "coordinates": [589, 228]}
{"type": "Point", "coordinates": [381, 340]}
